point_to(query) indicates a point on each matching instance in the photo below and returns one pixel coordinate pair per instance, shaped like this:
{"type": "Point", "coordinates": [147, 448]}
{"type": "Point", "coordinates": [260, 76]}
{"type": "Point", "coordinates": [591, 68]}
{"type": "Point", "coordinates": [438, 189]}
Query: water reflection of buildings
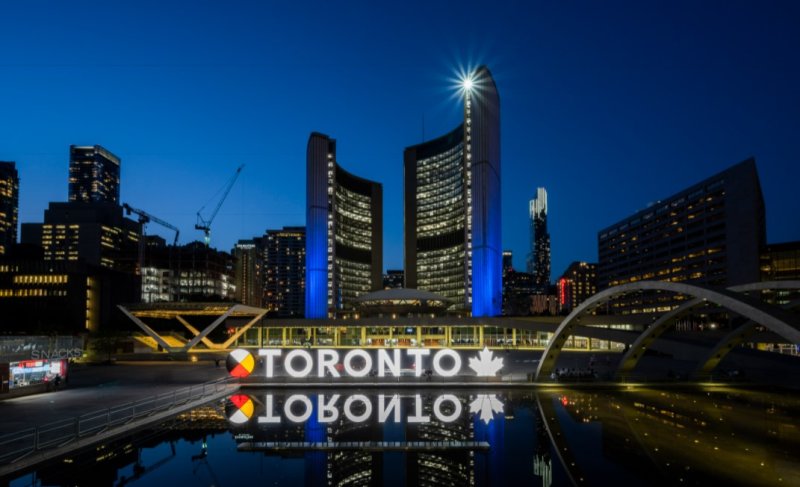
{"type": "Point", "coordinates": [684, 437]}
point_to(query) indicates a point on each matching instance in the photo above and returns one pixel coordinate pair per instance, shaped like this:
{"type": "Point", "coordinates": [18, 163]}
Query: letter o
{"type": "Point", "coordinates": [294, 372]}
{"type": "Point", "coordinates": [437, 366]}
{"type": "Point", "coordinates": [437, 408]}
{"type": "Point", "coordinates": [348, 366]}
{"type": "Point", "coordinates": [297, 418]}
{"type": "Point", "coordinates": [348, 413]}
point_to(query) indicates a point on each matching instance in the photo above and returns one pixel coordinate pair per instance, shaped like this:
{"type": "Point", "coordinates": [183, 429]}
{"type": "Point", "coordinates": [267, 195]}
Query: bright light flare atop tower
{"type": "Point", "coordinates": [467, 83]}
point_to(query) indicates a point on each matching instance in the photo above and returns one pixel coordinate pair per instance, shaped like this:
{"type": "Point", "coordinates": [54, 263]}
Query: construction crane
{"type": "Point", "coordinates": [205, 225]}
{"type": "Point", "coordinates": [144, 219]}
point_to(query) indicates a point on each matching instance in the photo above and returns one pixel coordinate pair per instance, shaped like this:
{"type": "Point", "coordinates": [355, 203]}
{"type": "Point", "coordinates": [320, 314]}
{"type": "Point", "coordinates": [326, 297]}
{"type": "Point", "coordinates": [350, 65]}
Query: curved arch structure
{"type": "Point", "coordinates": [777, 320]}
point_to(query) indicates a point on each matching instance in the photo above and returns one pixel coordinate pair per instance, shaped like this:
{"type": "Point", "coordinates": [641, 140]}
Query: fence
{"type": "Point", "coordinates": [15, 446]}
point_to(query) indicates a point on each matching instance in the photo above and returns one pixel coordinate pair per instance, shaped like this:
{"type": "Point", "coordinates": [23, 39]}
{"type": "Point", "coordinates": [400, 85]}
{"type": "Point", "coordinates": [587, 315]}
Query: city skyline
{"type": "Point", "coordinates": [699, 121]}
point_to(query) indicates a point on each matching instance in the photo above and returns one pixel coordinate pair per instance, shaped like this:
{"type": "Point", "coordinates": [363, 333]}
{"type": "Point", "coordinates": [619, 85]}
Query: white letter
{"type": "Point", "coordinates": [383, 412]}
{"type": "Point", "coordinates": [437, 359]}
{"type": "Point", "coordinates": [270, 354]}
{"type": "Point", "coordinates": [269, 418]}
{"type": "Point", "coordinates": [291, 370]}
{"type": "Point", "coordinates": [327, 407]}
{"type": "Point", "coordinates": [437, 408]}
{"type": "Point", "coordinates": [418, 417]}
{"type": "Point", "coordinates": [297, 418]}
{"type": "Point", "coordinates": [349, 413]}
{"type": "Point", "coordinates": [417, 354]}
{"type": "Point", "coordinates": [348, 366]}
{"type": "Point", "coordinates": [384, 361]}
{"type": "Point", "coordinates": [326, 359]}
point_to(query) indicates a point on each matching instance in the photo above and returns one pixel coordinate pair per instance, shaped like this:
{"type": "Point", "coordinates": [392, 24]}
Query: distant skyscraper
{"type": "Point", "coordinates": [9, 205]}
{"type": "Point", "coordinates": [576, 284]}
{"type": "Point", "coordinates": [249, 265]}
{"type": "Point", "coordinates": [508, 261]}
{"type": "Point", "coordinates": [285, 271]}
{"type": "Point", "coordinates": [344, 233]}
{"type": "Point", "coordinates": [452, 206]}
{"type": "Point", "coordinates": [93, 175]}
{"type": "Point", "coordinates": [539, 256]}
{"type": "Point", "coordinates": [710, 233]}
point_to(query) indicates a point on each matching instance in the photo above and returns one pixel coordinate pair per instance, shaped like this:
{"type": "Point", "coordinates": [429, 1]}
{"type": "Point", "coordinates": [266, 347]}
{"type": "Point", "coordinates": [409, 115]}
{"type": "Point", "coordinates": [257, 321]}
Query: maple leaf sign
{"type": "Point", "coordinates": [485, 365]}
{"type": "Point", "coordinates": [486, 405]}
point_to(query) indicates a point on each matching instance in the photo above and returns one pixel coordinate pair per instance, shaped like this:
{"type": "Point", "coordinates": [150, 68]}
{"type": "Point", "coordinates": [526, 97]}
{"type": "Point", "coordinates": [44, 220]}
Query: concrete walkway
{"type": "Point", "coordinates": [95, 387]}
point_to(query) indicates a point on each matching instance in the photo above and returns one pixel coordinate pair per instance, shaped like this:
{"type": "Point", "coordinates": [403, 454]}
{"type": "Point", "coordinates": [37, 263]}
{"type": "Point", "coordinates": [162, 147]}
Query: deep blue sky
{"type": "Point", "coordinates": [608, 105]}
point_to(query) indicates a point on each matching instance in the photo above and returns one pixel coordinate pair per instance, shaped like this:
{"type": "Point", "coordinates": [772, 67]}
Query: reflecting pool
{"type": "Point", "coordinates": [623, 436]}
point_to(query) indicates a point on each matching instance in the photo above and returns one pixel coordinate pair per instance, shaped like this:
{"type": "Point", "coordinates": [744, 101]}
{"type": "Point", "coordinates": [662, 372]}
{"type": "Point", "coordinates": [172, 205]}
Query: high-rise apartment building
{"type": "Point", "coordinates": [248, 274]}
{"type": "Point", "coordinates": [538, 262]}
{"type": "Point", "coordinates": [9, 205]}
{"type": "Point", "coordinates": [452, 206]}
{"type": "Point", "coordinates": [577, 284]}
{"type": "Point", "coordinates": [284, 273]}
{"type": "Point", "coordinates": [709, 233]}
{"type": "Point", "coordinates": [344, 233]}
{"type": "Point", "coordinates": [94, 175]}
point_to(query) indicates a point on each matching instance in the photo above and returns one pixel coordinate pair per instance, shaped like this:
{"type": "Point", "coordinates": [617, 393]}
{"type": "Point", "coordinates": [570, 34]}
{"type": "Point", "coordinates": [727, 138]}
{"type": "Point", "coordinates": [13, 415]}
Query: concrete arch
{"type": "Point", "coordinates": [727, 344]}
{"type": "Point", "coordinates": [665, 322]}
{"type": "Point", "coordinates": [775, 319]}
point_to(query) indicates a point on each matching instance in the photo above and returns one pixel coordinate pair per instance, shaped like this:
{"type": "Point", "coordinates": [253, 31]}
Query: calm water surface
{"type": "Point", "coordinates": [635, 436]}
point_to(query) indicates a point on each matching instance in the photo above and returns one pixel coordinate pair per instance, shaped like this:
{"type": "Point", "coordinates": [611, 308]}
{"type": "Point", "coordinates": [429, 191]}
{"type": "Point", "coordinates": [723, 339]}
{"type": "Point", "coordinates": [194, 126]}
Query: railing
{"type": "Point", "coordinates": [15, 446]}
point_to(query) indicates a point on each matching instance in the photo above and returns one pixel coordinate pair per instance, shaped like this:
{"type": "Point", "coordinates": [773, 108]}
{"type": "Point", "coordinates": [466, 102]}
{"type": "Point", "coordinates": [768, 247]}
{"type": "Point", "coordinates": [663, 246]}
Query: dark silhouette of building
{"type": "Point", "coordinates": [394, 279]}
{"type": "Point", "coordinates": [344, 233]}
{"type": "Point", "coordinates": [249, 256]}
{"type": "Point", "coordinates": [508, 263]}
{"type": "Point", "coordinates": [285, 271]}
{"type": "Point", "coordinates": [96, 233]}
{"type": "Point", "coordinates": [9, 206]}
{"type": "Point", "coordinates": [539, 256]}
{"type": "Point", "coordinates": [710, 233]}
{"type": "Point", "coordinates": [94, 175]}
{"type": "Point", "coordinates": [576, 284]}
{"type": "Point", "coordinates": [518, 287]}
{"type": "Point", "coordinates": [452, 206]}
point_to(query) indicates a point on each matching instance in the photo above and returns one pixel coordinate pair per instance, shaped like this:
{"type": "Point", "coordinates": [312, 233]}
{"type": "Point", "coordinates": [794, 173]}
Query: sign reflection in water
{"type": "Point", "coordinates": [636, 436]}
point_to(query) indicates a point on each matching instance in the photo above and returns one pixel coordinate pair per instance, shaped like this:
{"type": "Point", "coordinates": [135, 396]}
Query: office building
{"type": "Point", "coordinates": [452, 206]}
{"type": "Point", "coordinates": [9, 206]}
{"type": "Point", "coordinates": [394, 279]}
{"type": "Point", "coordinates": [284, 274]}
{"type": "Point", "coordinates": [187, 273]}
{"type": "Point", "coordinates": [518, 287]}
{"type": "Point", "coordinates": [344, 233]}
{"type": "Point", "coordinates": [94, 174]}
{"type": "Point", "coordinates": [248, 274]}
{"type": "Point", "coordinates": [710, 233]}
{"type": "Point", "coordinates": [96, 233]}
{"type": "Point", "coordinates": [781, 262]}
{"type": "Point", "coordinates": [576, 284]}
{"type": "Point", "coordinates": [539, 257]}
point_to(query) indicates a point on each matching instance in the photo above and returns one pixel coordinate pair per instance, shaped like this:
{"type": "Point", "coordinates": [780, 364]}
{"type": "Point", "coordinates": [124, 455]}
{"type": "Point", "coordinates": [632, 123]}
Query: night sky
{"type": "Point", "coordinates": [609, 105]}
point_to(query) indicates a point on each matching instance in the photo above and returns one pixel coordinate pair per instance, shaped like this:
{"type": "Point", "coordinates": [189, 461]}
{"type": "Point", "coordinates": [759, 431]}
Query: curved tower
{"type": "Point", "coordinates": [344, 232]}
{"type": "Point", "coordinates": [452, 206]}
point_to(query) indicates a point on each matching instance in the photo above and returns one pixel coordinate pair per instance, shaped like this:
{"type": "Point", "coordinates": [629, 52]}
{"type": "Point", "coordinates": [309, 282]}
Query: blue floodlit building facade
{"type": "Point", "coordinates": [452, 206]}
{"type": "Point", "coordinates": [344, 233]}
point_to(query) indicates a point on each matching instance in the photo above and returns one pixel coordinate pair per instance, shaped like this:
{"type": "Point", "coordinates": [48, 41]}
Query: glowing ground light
{"type": "Point", "coordinates": [240, 363]}
{"type": "Point", "coordinates": [241, 409]}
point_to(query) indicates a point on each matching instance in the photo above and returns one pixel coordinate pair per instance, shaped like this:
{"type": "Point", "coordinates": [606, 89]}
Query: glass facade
{"type": "Point", "coordinates": [93, 175]}
{"type": "Point", "coordinates": [9, 205]}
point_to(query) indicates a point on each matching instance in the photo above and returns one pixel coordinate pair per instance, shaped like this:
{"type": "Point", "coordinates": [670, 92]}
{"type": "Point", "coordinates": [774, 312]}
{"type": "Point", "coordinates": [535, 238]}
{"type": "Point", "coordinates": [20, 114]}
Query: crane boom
{"type": "Point", "coordinates": [205, 225]}
{"type": "Point", "coordinates": [145, 218]}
